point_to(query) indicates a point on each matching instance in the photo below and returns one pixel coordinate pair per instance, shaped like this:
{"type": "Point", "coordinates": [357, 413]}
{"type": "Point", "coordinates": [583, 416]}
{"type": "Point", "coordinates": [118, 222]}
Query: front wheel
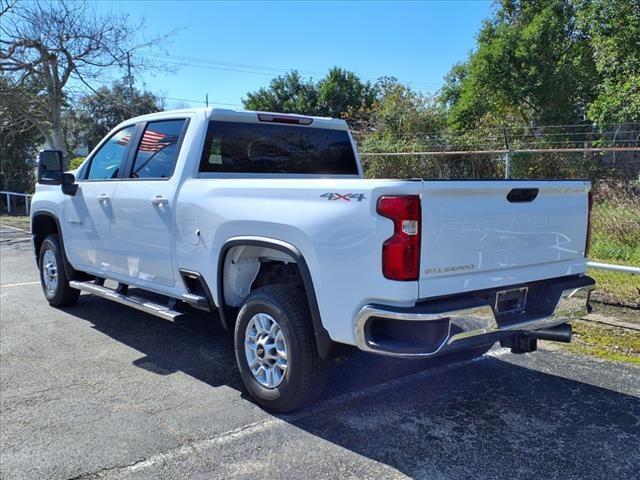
{"type": "Point", "coordinates": [53, 276]}
{"type": "Point", "coordinates": [276, 350]}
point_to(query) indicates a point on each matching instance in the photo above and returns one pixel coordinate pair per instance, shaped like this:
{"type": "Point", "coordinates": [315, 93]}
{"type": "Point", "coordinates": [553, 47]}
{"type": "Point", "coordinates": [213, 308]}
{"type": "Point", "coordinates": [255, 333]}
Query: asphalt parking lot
{"type": "Point", "coordinates": [102, 391]}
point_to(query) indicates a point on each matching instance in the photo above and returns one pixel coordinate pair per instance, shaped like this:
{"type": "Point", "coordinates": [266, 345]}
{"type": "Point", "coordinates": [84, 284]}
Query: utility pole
{"type": "Point", "coordinates": [507, 156]}
{"type": "Point", "coordinates": [206, 98]}
{"type": "Point", "coordinates": [129, 78]}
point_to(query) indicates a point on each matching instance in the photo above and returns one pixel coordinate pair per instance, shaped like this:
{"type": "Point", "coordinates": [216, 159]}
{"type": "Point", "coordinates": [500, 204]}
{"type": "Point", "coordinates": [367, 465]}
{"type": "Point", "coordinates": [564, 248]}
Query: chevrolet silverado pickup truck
{"type": "Point", "coordinates": [267, 220]}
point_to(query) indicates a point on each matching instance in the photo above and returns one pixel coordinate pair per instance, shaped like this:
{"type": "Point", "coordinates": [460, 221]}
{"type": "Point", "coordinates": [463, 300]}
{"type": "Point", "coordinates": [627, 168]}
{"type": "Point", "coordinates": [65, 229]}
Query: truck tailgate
{"type": "Point", "coordinates": [486, 234]}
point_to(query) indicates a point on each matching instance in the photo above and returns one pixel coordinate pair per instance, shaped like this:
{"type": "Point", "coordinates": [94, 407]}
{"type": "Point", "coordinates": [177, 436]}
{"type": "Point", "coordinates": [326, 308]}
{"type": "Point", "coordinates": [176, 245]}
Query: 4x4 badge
{"type": "Point", "coordinates": [347, 197]}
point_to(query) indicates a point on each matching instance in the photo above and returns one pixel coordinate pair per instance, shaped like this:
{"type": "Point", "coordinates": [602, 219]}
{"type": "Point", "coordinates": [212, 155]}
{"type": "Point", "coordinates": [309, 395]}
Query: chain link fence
{"type": "Point", "coordinates": [615, 225]}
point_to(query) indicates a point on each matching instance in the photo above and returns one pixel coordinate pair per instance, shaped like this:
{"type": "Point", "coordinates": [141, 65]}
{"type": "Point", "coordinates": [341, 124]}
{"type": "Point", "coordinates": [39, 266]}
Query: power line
{"type": "Point", "coordinates": [229, 64]}
{"type": "Point", "coordinates": [207, 63]}
{"type": "Point", "coordinates": [211, 67]}
{"type": "Point", "coordinates": [79, 92]}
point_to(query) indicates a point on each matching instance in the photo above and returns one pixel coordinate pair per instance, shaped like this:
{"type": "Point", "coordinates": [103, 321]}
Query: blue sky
{"type": "Point", "coordinates": [245, 44]}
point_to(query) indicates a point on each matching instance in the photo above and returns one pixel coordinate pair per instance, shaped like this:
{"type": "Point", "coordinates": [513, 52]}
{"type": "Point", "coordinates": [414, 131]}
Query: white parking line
{"type": "Point", "coordinates": [199, 446]}
{"type": "Point", "coordinates": [270, 422]}
{"type": "Point", "coordinates": [23, 284]}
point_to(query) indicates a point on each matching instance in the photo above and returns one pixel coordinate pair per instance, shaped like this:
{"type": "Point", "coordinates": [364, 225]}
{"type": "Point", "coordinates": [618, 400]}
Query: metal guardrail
{"type": "Point", "coordinates": [27, 201]}
{"type": "Point", "coordinates": [614, 268]}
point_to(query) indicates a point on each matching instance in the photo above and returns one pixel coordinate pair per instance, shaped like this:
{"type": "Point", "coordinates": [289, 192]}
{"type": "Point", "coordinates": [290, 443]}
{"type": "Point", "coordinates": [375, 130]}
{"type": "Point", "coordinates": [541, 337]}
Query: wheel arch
{"type": "Point", "coordinates": [44, 223]}
{"type": "Point", "coordinates": [323, 341]}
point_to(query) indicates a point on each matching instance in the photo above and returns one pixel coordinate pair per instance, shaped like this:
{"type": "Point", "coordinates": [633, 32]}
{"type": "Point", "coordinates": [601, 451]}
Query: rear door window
{"type": "Point", "coordinates": [158, 149]}
{"type": "Point", "coordinates": [236, 147]}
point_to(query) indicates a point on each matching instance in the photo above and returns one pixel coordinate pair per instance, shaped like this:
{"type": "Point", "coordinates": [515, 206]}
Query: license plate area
{"type": "Point", "coordinates": [511, 301]}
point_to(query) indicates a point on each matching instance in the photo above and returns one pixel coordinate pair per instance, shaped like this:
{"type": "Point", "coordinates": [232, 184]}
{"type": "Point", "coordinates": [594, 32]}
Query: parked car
{"type": "Point", "coordinates": [267, 220]}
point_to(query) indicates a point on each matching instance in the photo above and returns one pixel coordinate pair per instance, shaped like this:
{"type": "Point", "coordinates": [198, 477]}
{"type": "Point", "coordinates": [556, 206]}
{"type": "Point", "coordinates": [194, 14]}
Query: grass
{"type": "Point", "coordinates": [615, 239]}
{"type": "Point", "coordinates": [15, 221]}
{"type": "Point", "coordinates": [605, 247]}
{"type": "Point", "coordinates": [615, 230]}
{"type": "Point", "coordinates": [616, 288]}
{"type": "Point", "coordinates": [605, 342]}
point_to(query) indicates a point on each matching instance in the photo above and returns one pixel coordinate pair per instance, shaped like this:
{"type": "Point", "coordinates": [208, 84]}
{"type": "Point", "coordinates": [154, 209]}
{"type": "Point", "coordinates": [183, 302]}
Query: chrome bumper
{"type": "Point", "coordinates": [471, 326]}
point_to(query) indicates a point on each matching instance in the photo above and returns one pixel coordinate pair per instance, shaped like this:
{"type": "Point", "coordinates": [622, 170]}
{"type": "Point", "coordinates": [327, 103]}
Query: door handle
{"type": "Point", "coordinates": [159, 201]}
{"type": "Point", "coordinates": [103, 198]}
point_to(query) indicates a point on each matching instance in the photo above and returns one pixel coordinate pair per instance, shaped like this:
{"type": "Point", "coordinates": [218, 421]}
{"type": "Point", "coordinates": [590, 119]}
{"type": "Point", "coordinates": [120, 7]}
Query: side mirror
{"type": "Point", "coordinates": [50, 167]}
{"type": "Point", "coordinates": [69, 185]}
{"type": "Point", "coordinates": [51, 172]}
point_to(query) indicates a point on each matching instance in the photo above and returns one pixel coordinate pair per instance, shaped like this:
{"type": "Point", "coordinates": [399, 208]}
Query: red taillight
{"type": "Point", "coordinates": [401, 252]}
{"type": "Point", "coordinates": [588, 241]}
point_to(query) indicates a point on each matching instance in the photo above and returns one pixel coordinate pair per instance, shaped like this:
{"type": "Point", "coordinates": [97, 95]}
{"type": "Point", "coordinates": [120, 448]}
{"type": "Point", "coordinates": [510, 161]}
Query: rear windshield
{"type": "Point", "coordinates": [271, 148]}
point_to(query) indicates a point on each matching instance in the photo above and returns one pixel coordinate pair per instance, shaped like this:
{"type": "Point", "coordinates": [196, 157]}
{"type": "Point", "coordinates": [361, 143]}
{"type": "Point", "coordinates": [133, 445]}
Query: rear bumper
{"type": "Point", "coordinates": [465, 321]}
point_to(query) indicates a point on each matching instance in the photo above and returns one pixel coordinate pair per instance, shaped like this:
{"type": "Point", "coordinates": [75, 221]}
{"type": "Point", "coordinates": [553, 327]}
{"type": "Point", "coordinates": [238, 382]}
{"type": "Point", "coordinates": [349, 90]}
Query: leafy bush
{"type": "Point", "coordinates": [76, 162]}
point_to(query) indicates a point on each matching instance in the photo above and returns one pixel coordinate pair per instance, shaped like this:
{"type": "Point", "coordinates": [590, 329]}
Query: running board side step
{"type": "Point", "coordinates": [133, 301]}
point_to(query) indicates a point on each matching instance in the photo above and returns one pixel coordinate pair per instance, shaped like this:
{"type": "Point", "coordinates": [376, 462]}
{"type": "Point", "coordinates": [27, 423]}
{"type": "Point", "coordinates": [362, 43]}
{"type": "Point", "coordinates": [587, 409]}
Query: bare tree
{"type": "Point", "coordinates": [43, 45]}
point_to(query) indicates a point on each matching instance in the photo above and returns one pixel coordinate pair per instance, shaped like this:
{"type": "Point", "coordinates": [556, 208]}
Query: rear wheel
{"type": "Point", "coordinates": [53, 276]}
{"type": "Point", "coordinates": [276, 350]}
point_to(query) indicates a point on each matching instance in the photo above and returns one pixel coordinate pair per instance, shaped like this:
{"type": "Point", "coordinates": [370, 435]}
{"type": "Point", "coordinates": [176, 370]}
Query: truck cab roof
{"type": "Point", "coordinates": [247, 116]}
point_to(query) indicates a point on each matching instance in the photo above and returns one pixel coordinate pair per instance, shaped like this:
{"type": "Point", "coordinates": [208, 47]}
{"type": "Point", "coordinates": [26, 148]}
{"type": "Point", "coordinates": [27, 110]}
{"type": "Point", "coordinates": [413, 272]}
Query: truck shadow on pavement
{"type": "Point", "coordinates": [489, 418]}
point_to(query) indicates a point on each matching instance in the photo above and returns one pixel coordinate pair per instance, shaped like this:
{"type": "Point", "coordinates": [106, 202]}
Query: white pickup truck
{"type": "Point", "coordinates": [267, 220]}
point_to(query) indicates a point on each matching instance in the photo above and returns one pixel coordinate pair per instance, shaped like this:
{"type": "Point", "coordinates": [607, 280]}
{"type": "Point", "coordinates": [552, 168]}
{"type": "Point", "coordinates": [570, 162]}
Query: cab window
{"type": "Point", "coordinates": [158, 149]}
{"type": "Point", "coordinates": [238, 147]}
{"type": "Point", "coordinates": [107, 162]}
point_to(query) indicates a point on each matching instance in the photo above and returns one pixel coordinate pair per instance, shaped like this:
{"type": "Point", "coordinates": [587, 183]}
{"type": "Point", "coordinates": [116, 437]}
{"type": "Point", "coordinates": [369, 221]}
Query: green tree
{"type": "Point", "coordinates": [548, 63]}
{"type": "Point", "coordinates": [19, 141]}
{"type": "Point", "coordinates": [532, 62]}
{"type": "Point", "coordinates": [402, 120]}
{"type": "Point", "coordinates": [288, 93]}
{"type": "Point", "coordinates": [613, 27]}
{"type": "Point", "coordinates": [18, 151]}
{"type": "Point", "coordinates": [342, 92]}
{"type": "Point", "coordinates": [97, 113]}
{"type": "Point", "coordinates": [452, 89]}
{"type": "Point", "coordinates": [339, 94]}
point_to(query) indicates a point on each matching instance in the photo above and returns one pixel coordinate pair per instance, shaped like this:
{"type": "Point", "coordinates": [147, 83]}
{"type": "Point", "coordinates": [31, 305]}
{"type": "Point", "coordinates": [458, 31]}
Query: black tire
{"type": "Point", "coordinates": [62, 295]}
{"type": "Point", "coordinates": [306, 372]}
